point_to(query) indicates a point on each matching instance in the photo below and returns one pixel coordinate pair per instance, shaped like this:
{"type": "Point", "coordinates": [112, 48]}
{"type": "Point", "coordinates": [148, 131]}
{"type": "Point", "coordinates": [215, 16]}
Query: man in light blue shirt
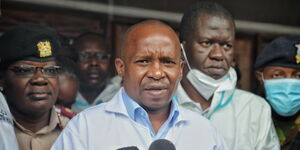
{"type": "Point", "coordinates": [139, 115]}
{"type": "Point", "coordinates": [143, 110]}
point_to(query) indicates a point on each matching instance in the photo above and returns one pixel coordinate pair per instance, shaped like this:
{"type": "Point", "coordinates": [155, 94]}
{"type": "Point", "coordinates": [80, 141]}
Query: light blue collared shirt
{"type": "Point", "coordinates": [139, 115]}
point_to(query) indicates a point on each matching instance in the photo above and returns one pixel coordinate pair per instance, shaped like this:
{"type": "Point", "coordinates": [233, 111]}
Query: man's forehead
{"type": "Point", "coordinates": [156, 39]}
{"type": "Point", "coordinates": [147, 30]}
{"type": "Point", "coordinates": [157, 43]}
{"type": "Point", "coordinates": [280, 68]}
{"type": "Point", "coordinates": [214, 22]}
{"type": "Point", "coordinates": [214, 27]}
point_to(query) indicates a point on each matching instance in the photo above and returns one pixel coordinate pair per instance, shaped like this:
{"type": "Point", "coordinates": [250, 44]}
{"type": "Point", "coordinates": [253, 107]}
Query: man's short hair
{"type": "Point", "coordinates": [77, 41]}
{"type": "Point", "coordinates": [190, 17]}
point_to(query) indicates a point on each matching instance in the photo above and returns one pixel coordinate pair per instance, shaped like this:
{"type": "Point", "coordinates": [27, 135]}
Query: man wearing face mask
{"type": "Point", "coordinates": [278, 71]}
{"type": "Point", "coordinates": [207, 33]}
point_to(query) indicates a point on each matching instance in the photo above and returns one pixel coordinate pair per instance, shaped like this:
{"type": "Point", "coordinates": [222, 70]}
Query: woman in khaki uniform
{"type": "Point", "coordinates": [29, 74]}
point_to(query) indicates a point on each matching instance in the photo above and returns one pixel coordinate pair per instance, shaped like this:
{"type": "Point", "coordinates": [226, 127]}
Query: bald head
{"type": "Point", "coordinates": [151, 64]}
{"type": "Point", "coordinates": [149, 28]}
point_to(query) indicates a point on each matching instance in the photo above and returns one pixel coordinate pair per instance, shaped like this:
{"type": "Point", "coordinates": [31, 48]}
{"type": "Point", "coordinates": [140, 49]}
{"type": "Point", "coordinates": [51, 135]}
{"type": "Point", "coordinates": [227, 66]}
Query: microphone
{"type": "Point", "coordinates": [128, 148]}
{"type": "Point", "coordinates": [162, 144]}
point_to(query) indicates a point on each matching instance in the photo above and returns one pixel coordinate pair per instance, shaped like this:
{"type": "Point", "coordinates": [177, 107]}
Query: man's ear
{"type": "Point", "coordinates": [259, 77]}
{"type": "Point", "coordinates": [120, 66]}
{"type": "Point", "coordinates": [181, 69]}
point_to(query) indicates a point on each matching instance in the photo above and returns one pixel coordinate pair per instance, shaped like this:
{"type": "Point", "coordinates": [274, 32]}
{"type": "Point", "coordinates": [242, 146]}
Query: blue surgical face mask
{"type": "Point", "coordinates": [283, 95]}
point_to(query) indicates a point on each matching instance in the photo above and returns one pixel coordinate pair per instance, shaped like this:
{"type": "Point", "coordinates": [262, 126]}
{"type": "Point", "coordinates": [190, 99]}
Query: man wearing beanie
{"type": "Point", "coordinates": [29, 74]}
{"type": "Point", "coordinates": [278, 71]}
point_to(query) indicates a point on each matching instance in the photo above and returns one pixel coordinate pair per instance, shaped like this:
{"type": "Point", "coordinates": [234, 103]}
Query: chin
{"type": "Point", "coordinates": [217, 76]}
{"type": "Point", "coordinates": [157, 105]}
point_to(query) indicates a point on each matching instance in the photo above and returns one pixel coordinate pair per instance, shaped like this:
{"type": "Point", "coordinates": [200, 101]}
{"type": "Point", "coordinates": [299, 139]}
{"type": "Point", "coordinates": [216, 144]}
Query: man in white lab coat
{"type": "Point", "coordinates": [143, 110]}
{"type": "Point", "coordinates": [207, 33]}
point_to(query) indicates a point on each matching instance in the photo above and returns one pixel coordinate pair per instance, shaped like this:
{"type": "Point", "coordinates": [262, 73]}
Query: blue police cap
{"type": "Point", "coordinates": [28, 42]}
{"type": "Point", "coordinates": [282, 52]}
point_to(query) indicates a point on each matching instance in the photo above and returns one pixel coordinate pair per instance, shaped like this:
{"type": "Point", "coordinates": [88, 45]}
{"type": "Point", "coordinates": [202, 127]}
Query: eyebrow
{"type": "Point", "coordinates": [168, 58]}
{"type": "Point", "coordinates": [142, 57]}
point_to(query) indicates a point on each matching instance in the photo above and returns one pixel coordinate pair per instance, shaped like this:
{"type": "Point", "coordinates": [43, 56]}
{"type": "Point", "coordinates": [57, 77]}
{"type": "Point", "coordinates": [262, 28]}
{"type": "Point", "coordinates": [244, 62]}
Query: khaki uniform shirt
{"type": "Point", "coordinates": [44, 138]}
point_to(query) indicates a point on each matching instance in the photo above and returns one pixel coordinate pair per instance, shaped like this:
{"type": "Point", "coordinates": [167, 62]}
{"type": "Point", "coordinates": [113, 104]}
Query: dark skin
{"type": "Point", "coordinates": [277, 72]}
{"type": "Point", "coordinates": [93, 73]}
{"type": "Point", "coordinates": [31, 99]}
{"type": "Point", "coordinates": [151, 68]}
{"type": "Point", "coordinates": [68, 87]}
{"type": "Point", "coordinates": [209, 49]}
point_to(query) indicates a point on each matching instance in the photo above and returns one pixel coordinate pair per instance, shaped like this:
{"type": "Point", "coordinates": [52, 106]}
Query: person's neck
{"type": "Point", "coordinates": [194, 94]}
{"type": "Point", "coordinates": [284, 119]}
{"type": "Point", "coordinates": [158, 117]}
{"type": "Point", "coordinates": [33, 122]}
{"type": "Point", "coordinates": [91, 93]}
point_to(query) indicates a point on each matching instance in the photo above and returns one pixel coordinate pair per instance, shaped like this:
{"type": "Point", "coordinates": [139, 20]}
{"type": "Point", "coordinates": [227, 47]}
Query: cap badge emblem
{"type": "Point", "coordinates": [44, 48]}
{"type": "Point", "coordinates": [298, 53]}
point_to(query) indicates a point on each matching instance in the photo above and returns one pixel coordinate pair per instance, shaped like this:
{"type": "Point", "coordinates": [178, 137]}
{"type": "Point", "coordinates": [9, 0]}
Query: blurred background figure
{"type": "Point", "coordinates": [278, 71]}
{"type": "Point", "coordinates": [95, 84]}
{"type": "Point", "coordinates": [29, 73]}
{"type": "Point", "coordinates": [68, 81]}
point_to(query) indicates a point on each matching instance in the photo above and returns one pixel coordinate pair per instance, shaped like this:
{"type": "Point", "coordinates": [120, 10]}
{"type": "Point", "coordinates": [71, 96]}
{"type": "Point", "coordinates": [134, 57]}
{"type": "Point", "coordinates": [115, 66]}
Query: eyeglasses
{"type": "Point", "coordinates": [29, 71]}
{"type": "Point", "coordinates": [83, 57]}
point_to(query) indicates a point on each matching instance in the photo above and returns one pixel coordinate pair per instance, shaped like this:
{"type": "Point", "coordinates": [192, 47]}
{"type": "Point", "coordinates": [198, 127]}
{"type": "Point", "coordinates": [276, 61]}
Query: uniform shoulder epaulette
{"type": "Point", "coordinates": [64, 111]}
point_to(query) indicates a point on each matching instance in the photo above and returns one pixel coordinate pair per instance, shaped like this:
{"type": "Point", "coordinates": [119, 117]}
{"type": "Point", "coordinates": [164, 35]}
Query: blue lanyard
{"type": "Point", "coordinates": [220, 105]}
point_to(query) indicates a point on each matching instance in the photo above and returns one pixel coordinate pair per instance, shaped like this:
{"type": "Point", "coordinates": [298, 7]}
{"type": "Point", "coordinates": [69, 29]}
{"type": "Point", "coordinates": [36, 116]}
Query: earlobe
{"type": "Point", "coordinates": [120, 67]}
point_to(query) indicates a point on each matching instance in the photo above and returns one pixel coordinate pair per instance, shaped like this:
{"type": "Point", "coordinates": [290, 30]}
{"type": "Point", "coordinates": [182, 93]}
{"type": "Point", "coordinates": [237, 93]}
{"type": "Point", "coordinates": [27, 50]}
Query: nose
{"type": "Point", "coordinates": [38, 78]}
{"type": "Point", "coordinates": [93, 61]}
{"type": "Point", "coordinates": [156, 71]}
{"type": "Point", "coordinates": [289, 75]}
{"type": "Point", "coordinates": [216, 52]}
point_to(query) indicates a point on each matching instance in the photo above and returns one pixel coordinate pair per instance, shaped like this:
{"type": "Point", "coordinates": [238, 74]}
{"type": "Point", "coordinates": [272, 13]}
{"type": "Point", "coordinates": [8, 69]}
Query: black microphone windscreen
{"type": "Point", "coordinates": [162, 144]}
{"type": "Point", "coordinates": [128, 148]}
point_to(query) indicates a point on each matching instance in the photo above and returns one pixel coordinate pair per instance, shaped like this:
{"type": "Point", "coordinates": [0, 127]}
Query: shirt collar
{"type": "Point", "coordinates": [131, 106]}
{"type": "Point", "coordinates": [53, 123]}
{"type": "Point", "coordinates": [134, 109]}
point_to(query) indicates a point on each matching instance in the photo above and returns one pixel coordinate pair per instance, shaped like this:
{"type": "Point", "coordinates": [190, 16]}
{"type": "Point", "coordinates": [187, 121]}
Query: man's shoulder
{"type": "Point", "coordinates": [64, 111]}
{"type": "Point", "coordinates": [193, 123]}
{"type": "Point", "coordinates": [193, 117]}
{"type": "Point", "coordinates": [97, 109]}
{"type": "Point", "coordinates": [114, 82]}
{"type": "Point", "coordinates": [248, 102]}
{"type": "Point", "coordinates": [112, 87]}
{"type": "Point", "coordinates": [249, 98]}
